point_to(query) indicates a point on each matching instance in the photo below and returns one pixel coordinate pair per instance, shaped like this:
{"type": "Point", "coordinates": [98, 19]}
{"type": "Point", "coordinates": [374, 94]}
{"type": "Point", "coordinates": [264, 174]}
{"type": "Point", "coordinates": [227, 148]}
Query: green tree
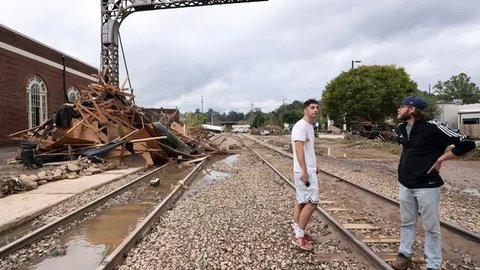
{"type": "Point", "coordinates": [291, 116]}
{"type": "Point", "coordinates": [235, 116]}
{"type": "Point", "coordinates": [258, 120]}
{"type": "Point", "coordinates": [458, 87]}
{"type": "Point", "coordinates": [366, 93]}
{"type": "Point", "coordinates": [271, 119]}
{"type": "Point", "coordinates": [194, 119]}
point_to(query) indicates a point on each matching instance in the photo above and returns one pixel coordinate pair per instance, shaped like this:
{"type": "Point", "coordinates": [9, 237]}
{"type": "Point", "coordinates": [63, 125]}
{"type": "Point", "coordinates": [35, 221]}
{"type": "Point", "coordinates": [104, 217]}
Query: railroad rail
{"type": "Point", "coordinates": [452, 233]}
{"type": "Point", "coordinates": [117, 255]}
{"type": "Point", "coordinates": [367, 252]}
{"type": "Point", "coordinates": [70, 218]}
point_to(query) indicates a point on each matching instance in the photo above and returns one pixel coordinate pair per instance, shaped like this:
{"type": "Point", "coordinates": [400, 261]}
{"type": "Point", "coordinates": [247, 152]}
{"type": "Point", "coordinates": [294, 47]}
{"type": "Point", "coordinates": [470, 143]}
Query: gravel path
{"type": "Point", "coordinates": [238, 222]}
{"type": "Point", "coordinates": [456, 207]}
{"type": "Point", "coordinates": [460, 201]}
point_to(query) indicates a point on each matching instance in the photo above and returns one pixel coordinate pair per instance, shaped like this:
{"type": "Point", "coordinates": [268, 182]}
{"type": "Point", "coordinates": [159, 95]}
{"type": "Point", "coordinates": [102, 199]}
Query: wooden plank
{"type": "Point", "coordinates": [42, 143]}
{"type": "Point", "coordinates": [336, 209]}
{"type": "Point", "coordinates": [381, 240]}
{"type": "Point", "coordinates": [73, 141]}
{"type": "Point", "coordinates": [195, 160]}
{"type": "Point", "coordinates": [122, 121]}
{"type": "Point", "coordinates": [148, 139]}
{"type": "Point", "coordinates": [99, 119]}
{"type": "Point", "coordinates": [23, 131]}
{"type": "Point", "coordinates": [112, 131]}
{"type": "Point", "coordinates": [177, 127]}
{"type": "Point", "coordinates": [98, 110]}
{"type": "Point", "coordinates": [129, 134]}
{"type": "Point", "coordinates": [75, 125]}
{"type": "Point", "coordinates": [359, 226]}
{"type": "Point", "coordinates": [326, 202]}
{"type": "Point", "coordinates": [148, 158]}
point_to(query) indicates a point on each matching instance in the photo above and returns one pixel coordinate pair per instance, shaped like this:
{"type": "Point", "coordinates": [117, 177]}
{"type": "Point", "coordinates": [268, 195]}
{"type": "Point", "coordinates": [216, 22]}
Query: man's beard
{"type": "Point", "coordinates": [405, 116]}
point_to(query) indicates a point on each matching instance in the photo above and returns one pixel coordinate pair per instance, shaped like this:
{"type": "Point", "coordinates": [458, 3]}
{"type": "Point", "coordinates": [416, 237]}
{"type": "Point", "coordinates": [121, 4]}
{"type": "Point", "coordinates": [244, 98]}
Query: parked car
{"type": "Point", "coordinates": [264, 132]}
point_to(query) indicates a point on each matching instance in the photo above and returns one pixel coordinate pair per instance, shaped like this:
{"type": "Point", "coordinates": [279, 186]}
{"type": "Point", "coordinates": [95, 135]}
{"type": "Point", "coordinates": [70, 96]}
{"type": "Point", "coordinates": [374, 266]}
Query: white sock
{"type": "Point", "coordinates": [294, 227]}
{"type": "Point", "coordinates": [299, 233]}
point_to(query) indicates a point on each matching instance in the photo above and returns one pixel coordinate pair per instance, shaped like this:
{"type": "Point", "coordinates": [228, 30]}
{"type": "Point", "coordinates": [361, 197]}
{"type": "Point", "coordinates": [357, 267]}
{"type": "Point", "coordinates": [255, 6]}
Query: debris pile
{"type": "Point", "coordinates": [104, 123]}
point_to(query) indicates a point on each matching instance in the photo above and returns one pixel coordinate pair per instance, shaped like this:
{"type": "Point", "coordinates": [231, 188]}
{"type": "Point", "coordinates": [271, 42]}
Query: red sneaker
{"type": "Point", "coordinates": [309, 238]}
{"type": "Point", "coordinates": [302, 243]}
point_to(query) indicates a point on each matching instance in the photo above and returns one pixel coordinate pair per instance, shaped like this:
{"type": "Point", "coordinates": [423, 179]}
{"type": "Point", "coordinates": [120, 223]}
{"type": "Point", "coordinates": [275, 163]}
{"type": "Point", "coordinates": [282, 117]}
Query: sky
{"type": "Point", "coordinates": [261, 54]}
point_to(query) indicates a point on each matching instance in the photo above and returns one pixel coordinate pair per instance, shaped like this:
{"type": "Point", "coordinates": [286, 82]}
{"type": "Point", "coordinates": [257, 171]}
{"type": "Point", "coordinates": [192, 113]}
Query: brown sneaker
{"type": "Point", "coordinates": [402, 262]}
{"type": "Point", "coordinates": [302, 243]}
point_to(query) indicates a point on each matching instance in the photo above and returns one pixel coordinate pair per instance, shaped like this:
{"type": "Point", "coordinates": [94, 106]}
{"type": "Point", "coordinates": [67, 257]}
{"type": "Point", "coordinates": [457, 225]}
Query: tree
{"type": "Point", "coordinates": [258, 120]}
{"type": "Point", "coordinates": [292, 116]}
{"type": "Point", "coordinates": [235, 116]}
{"type": "Point", "coordinates": [194, 119]}
{"type": "Point", "coordinates": [366, 93]}
{"type": "Point", "coordinates": [458, 87]}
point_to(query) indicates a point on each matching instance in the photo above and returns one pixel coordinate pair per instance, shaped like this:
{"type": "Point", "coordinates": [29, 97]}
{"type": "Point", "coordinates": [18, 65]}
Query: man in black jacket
{"type": "Point", "coordinates": [424, 143]}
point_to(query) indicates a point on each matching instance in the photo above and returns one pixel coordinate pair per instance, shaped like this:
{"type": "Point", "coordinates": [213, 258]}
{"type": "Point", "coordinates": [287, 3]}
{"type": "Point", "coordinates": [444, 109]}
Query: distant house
{"type": "Point", "coordinates": [465, 117]}
{"type": "Point", "coordinates": [469, 122]}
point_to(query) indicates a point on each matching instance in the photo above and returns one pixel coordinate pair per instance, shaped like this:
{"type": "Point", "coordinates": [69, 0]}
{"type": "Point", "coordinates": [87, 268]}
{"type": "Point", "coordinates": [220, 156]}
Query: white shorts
{"type": "Point", "coordinates": [306, 194]}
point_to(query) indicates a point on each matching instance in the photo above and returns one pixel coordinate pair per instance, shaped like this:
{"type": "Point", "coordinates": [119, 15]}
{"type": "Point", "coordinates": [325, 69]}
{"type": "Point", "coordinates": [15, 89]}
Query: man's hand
{"type": "Point", "coordinates": [437, 166]}
{"type": "Point", "coordinates": [304, 176]}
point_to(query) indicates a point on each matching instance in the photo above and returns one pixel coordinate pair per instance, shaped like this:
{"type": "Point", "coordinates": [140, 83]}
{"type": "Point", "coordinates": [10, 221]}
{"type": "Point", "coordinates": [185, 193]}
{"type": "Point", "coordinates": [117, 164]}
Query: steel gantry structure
{"type": "Point", "coordinates": [115, 11]}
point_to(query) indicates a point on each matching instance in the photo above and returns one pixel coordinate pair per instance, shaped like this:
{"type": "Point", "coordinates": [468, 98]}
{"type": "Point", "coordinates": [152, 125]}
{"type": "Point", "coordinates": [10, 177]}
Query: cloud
{"type": "Point", "coordinates": [262, 52]}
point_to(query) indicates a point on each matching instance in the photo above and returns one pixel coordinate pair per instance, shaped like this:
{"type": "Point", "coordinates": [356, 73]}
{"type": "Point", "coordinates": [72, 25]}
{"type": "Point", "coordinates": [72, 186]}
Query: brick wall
{"type": "Point", "coordinates": [15, 70]}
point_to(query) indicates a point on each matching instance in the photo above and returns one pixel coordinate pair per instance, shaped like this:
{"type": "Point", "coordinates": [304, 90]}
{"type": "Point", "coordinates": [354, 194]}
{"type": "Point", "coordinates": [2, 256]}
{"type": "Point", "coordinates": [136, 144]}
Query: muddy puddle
{"type": "Point", "coordinates": [89, 243]}
{"type": "Point", "coordinates": [208, 176]}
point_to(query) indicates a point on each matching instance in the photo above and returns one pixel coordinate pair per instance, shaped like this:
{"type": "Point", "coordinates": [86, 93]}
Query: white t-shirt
{"type": "Point", "coordinates": [303, 131]}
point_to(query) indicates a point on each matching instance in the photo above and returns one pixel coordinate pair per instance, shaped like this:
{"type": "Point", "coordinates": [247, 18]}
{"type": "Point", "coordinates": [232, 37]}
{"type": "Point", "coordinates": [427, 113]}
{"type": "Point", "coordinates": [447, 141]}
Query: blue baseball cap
{"type": "Point", "coordinates": [414, 101]}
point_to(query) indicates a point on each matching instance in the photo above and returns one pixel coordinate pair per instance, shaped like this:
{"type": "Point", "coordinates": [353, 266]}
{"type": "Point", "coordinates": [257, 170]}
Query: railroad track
{"type": "Point", "coordinates": [371, 220]}
{"type": "Point", "coordinates": [137, 196]}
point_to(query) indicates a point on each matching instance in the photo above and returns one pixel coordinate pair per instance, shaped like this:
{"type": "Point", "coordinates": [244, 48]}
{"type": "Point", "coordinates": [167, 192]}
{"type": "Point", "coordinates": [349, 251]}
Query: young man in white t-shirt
{"type": "Point", "coordinates": [305, 172]}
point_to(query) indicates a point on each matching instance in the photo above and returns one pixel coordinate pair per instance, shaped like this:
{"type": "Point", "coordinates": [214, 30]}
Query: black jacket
{"type": "Point", "coordinates": [428, 141]}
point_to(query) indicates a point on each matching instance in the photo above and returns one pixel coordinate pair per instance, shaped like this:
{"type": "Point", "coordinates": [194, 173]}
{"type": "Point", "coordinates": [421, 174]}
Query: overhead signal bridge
{"type": "Point", "coordinates": [115, 11]}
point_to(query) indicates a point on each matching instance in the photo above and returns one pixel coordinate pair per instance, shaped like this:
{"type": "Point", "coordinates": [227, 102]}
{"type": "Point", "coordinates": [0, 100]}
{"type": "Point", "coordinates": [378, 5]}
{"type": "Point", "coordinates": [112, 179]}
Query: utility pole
{"type": "Point", "coordinates": [252, 107]}
{"type": "Point", "coordinates": [211, 115]}
{"type": "Point", "coordinates": [283, 103]}
{"type": "Point", "coordinates": [202, 104]}
{"type": "Point", "coordinates": [355, 61]}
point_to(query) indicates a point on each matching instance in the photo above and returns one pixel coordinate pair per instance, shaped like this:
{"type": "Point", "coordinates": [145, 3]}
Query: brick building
{"type": "Point", "coordinates": [35, 80]}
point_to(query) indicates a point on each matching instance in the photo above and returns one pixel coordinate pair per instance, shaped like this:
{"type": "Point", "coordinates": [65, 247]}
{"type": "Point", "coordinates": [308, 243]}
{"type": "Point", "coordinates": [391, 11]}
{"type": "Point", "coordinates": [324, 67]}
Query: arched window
{"type": "Point", "coordinates": [73, 93]}
{"type": "Point", "coordinates": [36, 101]}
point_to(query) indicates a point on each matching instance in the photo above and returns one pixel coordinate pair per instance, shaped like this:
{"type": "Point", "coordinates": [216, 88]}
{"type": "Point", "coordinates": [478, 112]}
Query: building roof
{"type": "Point", "coordinates": [41, 44]}
{"type": "Point", "coordinates": [467, 111]}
